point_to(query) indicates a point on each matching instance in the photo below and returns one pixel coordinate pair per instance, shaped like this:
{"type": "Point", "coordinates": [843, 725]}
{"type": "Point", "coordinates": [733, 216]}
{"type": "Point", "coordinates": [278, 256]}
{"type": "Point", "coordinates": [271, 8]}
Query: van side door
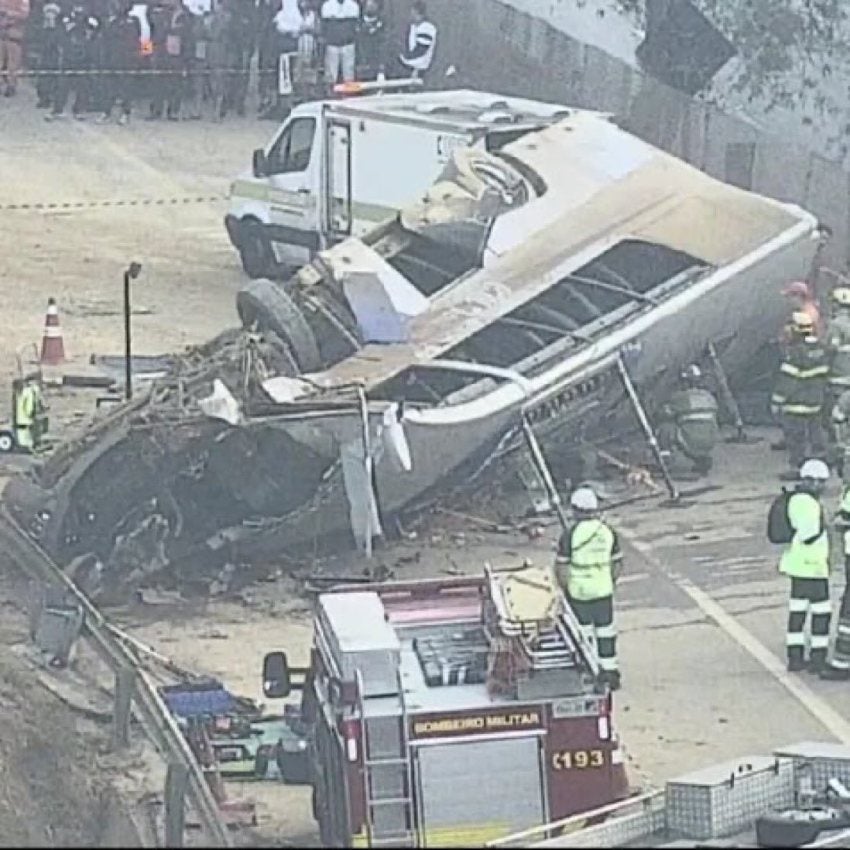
{"type": "Point", "coordinates": [338, 180]}
{"type": "Point", "coordinates": [292, 168]}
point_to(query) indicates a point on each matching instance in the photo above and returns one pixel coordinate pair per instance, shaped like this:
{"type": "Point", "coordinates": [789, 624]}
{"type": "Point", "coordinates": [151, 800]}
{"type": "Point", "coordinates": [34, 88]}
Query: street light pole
{"type": "Point", "coordinates": [132, 272]}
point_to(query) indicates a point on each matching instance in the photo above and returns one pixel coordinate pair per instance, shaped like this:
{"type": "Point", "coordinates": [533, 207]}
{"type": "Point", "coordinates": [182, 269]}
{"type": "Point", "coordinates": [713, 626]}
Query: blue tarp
{"type": "Point", "coordinates": [195, 701]}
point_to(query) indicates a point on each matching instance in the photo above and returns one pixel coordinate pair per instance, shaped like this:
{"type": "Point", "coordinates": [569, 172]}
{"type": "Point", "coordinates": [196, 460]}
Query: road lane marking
{"type": "Point", "coordinates": [631, 577]}
{"type": "Point", "coordinates": [830, 719]}
{"type": "Point", "coordinates": [711, 560]}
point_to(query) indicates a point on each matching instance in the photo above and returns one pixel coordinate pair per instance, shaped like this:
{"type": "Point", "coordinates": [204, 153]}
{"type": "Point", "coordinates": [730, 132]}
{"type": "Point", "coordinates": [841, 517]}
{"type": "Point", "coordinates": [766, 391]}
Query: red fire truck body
{"type": "Point", "coordinates": [439, 720]}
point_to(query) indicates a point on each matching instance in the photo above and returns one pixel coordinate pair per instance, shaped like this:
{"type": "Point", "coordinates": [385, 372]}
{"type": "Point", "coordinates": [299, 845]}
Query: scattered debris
{"type": "Point", "coordinates": [296, 431]}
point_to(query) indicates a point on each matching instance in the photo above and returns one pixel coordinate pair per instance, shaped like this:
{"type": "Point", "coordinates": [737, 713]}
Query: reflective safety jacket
{"type": "Point", "coordinates": [26, 406]}
{"type": "Point", "coordinates": [838, 348]}
{"type": "Point", "coordinates": [588, 556]}
{"type": "Point", "coordinates": [801, 386]}
{"type": "Point", "coordinates": [695, 413]}
{"type": "Point", "coordinates": [807, 556]}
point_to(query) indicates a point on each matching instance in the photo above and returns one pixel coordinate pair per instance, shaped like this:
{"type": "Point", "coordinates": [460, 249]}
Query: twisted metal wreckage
{"type": "Point", "coordinates": [395, 361]}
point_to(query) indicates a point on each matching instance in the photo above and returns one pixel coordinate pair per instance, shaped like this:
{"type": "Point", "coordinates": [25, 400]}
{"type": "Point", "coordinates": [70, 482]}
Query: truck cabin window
{"type": "Point", "coordinates": [291, 152]}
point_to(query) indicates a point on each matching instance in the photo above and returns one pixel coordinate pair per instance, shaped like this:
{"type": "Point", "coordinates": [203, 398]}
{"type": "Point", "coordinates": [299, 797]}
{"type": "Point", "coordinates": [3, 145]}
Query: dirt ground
{"type": "Point", "coordinates": [58, 780]}
{"type": "Point", "coordinates": [190, 274]}
{"type": "Point", "coordinates": [49, 792]}
{"type": "Point", "coordinates": [701, 606]}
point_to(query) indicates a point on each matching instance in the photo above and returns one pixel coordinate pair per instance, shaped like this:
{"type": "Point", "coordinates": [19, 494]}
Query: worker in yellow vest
{"type": "Point", "coordinates": [29, 407]}
{"type": "Point", "coordinates": [806, 562]}
{"type": "Point", "coordinates": [588, 563]}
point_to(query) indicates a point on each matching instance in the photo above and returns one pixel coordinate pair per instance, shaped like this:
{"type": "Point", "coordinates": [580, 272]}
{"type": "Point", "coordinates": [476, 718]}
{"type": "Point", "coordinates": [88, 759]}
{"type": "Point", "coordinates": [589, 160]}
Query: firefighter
{"type": "Point", "coordinates": [799, 395]}
{"type": "Point", "coordinates": [838, 338]}
{"type": "Point", "coordinates": [689, 421]}
{"type": "Point", "coordinates": [838, 344]}
{"type": "Point", "coordinates": [839, 666]}
{"type": "Point", "coordinates": [29, 410]}
{"type": "Point", "coordinates": [588, 563]}
{"type": "Point", "coordinates": [800, 298]}
{"type": "Point", "coordinates": [806, 562]}
{"type": "Point", "coordinates": [840, 416]}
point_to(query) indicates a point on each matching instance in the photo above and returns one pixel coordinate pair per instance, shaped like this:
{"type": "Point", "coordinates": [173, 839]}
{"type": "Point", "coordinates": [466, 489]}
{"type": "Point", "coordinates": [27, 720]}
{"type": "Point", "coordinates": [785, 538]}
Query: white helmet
{"type": "Point", "coordinates": [584, 499]}
{"type": "Point", "coordinates": [814, 469]}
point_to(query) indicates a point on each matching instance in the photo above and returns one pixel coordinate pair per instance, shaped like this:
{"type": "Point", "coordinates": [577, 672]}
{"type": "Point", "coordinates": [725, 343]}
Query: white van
{"type": "Point", "coordinates": [336, 168]}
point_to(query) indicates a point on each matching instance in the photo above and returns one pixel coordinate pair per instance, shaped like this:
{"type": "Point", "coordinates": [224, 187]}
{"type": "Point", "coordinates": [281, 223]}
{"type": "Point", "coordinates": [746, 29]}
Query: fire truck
{"type": "Point", "coordinates": [450, 712]}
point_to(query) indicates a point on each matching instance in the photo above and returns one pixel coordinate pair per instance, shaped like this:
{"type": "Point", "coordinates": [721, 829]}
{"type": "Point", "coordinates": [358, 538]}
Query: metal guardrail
{"type": "Point", "coordinates": [539, 836]}
{"type": "Point", "coordinates": [156, 720]}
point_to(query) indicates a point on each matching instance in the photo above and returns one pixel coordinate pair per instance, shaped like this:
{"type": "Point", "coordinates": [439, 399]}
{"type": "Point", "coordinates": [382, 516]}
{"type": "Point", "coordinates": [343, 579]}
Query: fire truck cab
{"type": "Point", "coordinates": [451, 712]}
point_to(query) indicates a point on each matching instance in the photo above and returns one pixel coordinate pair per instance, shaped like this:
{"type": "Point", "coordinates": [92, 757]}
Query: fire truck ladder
{"type": "Point", "coordinates": [387, 774]}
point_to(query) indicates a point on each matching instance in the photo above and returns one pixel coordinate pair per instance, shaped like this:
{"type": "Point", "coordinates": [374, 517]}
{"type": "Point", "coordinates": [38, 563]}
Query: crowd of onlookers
{"type": "Point", "coordinates": [184, 58]}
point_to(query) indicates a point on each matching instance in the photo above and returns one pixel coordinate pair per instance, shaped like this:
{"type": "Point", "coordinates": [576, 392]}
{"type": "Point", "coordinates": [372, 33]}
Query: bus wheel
{"type": "Point", "coordinates": [267, 305]}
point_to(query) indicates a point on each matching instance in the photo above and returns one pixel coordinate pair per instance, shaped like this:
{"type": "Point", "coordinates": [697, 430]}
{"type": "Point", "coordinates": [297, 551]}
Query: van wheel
{"type": "Point", "coordinates": [7, 442]}
{"type": "Point", "coordinates": [255, 250]}
{"type": "Point", "coordinates": [264, 304]}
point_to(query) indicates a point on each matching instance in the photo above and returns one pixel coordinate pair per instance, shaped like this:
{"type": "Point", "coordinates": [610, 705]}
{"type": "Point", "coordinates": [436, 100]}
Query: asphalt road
{"type": "Point", "coordinates": [702, 616]}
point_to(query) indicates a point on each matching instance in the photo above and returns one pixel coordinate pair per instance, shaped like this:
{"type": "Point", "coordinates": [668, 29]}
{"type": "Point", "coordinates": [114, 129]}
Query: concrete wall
{"type": "Point", "coordinates": [499, 47]}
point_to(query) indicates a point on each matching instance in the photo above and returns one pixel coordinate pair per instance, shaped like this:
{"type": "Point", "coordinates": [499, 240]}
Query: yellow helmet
{"type": "Point", "coordinates": [841, 295]}
{"type": "Point", "coordinates": [802, 322]}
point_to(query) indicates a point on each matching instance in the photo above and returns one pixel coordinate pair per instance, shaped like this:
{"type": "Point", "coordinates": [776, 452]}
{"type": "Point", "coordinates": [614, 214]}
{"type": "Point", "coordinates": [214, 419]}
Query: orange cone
{"type": "Point", "coordinates": [52, 345]}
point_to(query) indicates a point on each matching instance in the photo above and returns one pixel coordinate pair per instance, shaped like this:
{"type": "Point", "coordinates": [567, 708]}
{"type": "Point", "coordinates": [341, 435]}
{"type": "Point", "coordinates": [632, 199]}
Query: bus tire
{"type": "Point", "coordinates": [280, 357]}
{"type": "Point", "coordinates": [264, 304]}
{"type": "Point", "coordinates": [255, 250]}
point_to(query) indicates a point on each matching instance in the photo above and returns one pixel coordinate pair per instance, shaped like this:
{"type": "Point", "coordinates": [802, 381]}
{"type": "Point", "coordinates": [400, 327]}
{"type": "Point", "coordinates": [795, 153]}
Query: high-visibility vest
{"type": "Point", "coordinates": [806, 559]}
{"type": "Point", "coordinates": [591, 561]}
{"type": "Point", "coordinates": [26, 407]}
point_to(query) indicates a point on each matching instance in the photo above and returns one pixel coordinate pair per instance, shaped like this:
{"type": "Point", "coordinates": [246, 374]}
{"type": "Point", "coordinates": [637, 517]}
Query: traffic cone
{"type": "Point", "coordinates": [52, 346]}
